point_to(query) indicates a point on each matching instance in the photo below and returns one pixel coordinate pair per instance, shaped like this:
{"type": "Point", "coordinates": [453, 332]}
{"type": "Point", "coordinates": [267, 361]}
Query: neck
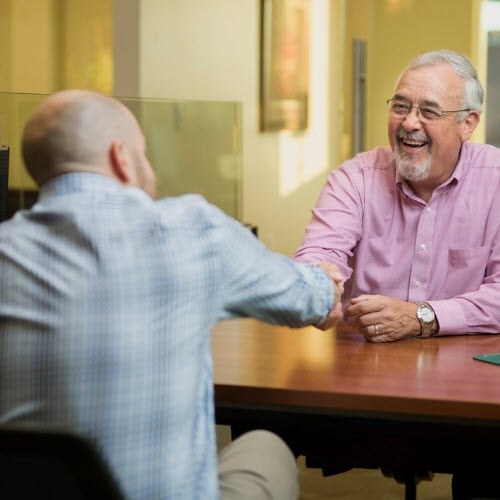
{"type": "Point", "coordinates": [421, 191]}
{"type": "Point", "coordinates": [424, 189]}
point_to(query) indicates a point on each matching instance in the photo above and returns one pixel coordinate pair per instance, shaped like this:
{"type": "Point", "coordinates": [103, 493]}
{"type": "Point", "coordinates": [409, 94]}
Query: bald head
{"type": "Point", "coordinates": [74, 130]}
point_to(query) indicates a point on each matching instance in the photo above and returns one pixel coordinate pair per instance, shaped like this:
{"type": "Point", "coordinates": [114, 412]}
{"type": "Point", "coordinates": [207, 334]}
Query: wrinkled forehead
{"type": "Point", "coordinates": [437, 83]}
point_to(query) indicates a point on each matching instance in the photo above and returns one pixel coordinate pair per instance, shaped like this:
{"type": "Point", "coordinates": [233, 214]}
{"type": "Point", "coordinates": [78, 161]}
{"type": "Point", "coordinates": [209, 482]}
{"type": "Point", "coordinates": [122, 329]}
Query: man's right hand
{"type": "Point", "coordinates": [335, 313]}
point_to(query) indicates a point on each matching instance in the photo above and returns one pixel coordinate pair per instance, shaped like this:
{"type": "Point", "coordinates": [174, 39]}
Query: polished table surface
{"type": "Point", "coordinates": [337, 370]}
{"type": "Point", "coordinates": [411, 394]}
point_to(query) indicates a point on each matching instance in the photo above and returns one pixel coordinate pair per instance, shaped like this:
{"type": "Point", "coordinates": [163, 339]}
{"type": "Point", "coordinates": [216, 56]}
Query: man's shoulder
{"type": "Point", "coordinates": [376, 163]}
{"type": "Point", "coordinates": [482, 155]}
{"type": "Point", "coordinates": [190, 202]}
{"type": "Point", "coordinates": [190, 209]}
{"type": "Point", "coordinates": [380, 158]}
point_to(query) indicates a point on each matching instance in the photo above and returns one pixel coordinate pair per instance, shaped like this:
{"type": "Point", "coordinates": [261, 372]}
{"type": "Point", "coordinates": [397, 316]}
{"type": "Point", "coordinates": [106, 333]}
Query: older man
{"type": "Point", "coordinates": [414, 228]}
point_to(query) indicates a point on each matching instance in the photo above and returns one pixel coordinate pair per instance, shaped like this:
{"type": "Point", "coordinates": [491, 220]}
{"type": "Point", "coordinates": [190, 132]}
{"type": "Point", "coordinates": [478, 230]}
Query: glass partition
{"type": "Point", "coordinates": [194, 147]}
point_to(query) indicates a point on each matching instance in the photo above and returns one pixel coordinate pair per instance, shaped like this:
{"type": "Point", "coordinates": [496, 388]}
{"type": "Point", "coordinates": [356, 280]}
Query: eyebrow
{"type": "Point", "coordinates": [426, 102]}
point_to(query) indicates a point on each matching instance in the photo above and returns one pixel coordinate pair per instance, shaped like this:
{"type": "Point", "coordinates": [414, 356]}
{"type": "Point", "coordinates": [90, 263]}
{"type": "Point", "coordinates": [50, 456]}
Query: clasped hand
{"type": "Point", "coordinates": [384, 319]}
{"type": "Point", "coordinates": [335, 313]}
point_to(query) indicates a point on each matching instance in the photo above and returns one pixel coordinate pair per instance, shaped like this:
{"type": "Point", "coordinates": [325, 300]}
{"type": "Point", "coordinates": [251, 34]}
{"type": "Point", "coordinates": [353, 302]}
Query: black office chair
{"type": "Point", "coordinates": [4, 181]}
{"type": "Point", "coordinates": [51, 464]}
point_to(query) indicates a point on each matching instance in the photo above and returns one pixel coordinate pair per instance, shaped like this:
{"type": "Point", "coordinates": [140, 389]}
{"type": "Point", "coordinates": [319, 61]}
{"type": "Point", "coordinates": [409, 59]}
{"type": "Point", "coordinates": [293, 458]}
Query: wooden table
{"type": "Point", "coordinates": [411, 408]}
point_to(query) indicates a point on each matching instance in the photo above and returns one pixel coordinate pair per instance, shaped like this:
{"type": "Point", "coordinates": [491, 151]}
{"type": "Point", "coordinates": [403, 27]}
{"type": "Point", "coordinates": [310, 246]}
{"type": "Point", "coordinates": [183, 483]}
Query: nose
{"type": "Point", "coordinates": [412, 120]}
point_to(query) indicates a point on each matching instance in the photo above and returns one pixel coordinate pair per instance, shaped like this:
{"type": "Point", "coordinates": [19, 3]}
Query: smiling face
{"type": "Point", "coordinates": [429, 152]}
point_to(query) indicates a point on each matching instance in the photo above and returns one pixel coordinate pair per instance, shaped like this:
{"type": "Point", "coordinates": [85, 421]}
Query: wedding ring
{"type": "Point", "coordinates": [376, 329]}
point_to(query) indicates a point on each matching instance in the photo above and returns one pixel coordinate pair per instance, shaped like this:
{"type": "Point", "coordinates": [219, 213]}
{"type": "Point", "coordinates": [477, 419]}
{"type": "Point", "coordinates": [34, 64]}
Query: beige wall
{"type": "Point", "coordinates": [210, 51]}
{"type": "Point", "coordinates": [85, 45]}
{"type": "Point", "coordinates": [28, 52]}
{"type": "Point", "coordinates": [192, 50]}
{"type": "Point", "coordinates": [46, 45]}
{"type": "Point", "coordinates": [27, 46]}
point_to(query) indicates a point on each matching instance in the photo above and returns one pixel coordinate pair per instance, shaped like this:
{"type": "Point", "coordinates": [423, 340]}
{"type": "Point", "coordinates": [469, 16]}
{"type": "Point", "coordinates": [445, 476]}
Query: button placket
{"type": "Point", "coordinates": [420, 265]}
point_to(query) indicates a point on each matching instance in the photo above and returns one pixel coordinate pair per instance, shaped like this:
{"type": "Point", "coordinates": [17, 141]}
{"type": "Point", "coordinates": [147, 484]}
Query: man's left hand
{"type": "Point", "coordinates": [384, 319]}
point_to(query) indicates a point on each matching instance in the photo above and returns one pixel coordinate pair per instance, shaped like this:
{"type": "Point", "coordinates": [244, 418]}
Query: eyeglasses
{"type": "Point", "coordinates": [426, 114]}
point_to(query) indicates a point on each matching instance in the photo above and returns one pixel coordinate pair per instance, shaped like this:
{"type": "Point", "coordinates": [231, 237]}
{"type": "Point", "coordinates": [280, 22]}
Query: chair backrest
{"type": "Point", "coordinates": [4, 181]}
{"type": "Point", "coordinates": [52, 464]}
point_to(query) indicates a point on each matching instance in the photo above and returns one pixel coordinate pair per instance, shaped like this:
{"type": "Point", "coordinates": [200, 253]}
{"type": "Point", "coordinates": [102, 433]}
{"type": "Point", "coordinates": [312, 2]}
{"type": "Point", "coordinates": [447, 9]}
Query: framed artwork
{"type": "Point", "coordinates": [284, 78]}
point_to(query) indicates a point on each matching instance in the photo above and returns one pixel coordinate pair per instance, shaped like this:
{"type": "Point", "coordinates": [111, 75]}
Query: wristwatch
{"type": "Point", "coordinates": [427, 320]}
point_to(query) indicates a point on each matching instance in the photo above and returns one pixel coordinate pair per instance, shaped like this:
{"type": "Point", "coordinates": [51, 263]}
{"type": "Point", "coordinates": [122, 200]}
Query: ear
{"type": "Point", "coordinates": [120, 164]}
{"type": "Point", "coordinates": [469, 125]}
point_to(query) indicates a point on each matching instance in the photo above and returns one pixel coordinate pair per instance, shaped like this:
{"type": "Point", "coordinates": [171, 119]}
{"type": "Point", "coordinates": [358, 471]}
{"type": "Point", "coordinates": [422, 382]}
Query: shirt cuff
{"type": "Point", "coordinates": [314, 258]}
{"type": "Point", "coordinates": [450, 316]}
{"type": "Point", "coordinates": [327, 298]}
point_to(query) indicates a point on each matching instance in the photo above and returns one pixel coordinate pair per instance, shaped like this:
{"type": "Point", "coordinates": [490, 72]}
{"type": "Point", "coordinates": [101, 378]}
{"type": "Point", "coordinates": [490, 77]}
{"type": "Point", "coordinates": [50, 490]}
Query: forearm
{"type": "Point", "coordinates": [274, 289]}
{"type": "Point", "coordinates": [313, 255]}
{"type": "Point", "coordinates": [336, 223]}
{"type": "Point", "coordinates": [304, 299]}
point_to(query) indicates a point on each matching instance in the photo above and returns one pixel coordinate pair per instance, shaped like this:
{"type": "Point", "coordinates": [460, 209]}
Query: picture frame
{"type": "Point", "coordinates": [284, 75]}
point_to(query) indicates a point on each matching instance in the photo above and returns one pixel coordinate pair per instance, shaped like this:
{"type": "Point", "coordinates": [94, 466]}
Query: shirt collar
{"type": "Point", "coordinates": [455, 177]}
{"type": "Point", "coordinates": [79, 182]}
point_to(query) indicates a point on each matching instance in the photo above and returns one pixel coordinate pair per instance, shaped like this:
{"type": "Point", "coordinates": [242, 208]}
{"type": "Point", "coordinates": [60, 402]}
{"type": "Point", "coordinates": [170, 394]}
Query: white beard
{"type": "Point", "coordinates": [409, 169]}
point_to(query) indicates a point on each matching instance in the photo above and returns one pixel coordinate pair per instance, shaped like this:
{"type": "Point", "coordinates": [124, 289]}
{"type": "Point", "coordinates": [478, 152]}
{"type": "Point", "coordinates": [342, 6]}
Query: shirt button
{"type": "Point", "coordinates": [428, 210]}
{"type": "Point", "coordinates": [417, 283]}
{"type": "Point", "coordinates": [423, 246]}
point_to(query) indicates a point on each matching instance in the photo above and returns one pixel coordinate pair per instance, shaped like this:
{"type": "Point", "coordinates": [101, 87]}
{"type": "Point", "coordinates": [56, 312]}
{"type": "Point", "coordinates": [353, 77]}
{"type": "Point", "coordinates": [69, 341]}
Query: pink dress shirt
{"type": "Point", "coordinates": [387, 241]}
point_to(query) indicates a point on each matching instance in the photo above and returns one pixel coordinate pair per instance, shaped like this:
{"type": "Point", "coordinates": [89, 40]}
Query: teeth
{"type": "Point", "coordinates": [414, 143]}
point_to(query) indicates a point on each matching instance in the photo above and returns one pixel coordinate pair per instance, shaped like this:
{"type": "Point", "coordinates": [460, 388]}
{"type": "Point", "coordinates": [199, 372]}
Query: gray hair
{"type": "Point", "coordinates": [473, 94]}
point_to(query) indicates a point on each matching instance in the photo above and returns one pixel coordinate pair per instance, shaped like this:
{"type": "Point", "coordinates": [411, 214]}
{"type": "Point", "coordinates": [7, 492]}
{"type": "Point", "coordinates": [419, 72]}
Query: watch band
{"type": "Point", "coordinates": [426, 327]}
{"type": "Point", "coordinates": [425, 331]}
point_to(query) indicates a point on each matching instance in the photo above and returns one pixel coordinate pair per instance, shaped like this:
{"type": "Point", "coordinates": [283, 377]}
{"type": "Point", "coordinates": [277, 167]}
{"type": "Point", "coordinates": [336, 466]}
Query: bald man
{"type": "Point", "coordinates": [108, 298]}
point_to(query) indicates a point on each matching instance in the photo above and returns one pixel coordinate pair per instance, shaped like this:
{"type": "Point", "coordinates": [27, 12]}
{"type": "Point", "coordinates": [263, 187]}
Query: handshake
{"type": "Point", "coordinates": [335, 313]}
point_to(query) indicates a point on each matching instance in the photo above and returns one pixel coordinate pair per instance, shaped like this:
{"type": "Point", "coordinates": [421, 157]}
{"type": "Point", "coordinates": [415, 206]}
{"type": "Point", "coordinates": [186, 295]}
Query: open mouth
{"type": "Point", "coordinates": [413, 142]}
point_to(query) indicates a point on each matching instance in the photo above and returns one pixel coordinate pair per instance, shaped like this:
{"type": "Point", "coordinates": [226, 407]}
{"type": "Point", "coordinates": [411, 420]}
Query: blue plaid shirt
{"type": "Point", "coordinates": [107, 300]}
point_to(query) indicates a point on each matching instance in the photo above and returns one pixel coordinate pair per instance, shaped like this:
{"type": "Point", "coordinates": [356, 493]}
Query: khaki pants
{"type": "Point", "coordinates": [258, 465]}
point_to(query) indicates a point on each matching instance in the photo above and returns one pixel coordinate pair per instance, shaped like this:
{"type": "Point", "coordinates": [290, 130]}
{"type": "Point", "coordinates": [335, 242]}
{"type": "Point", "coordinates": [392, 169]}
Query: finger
{"type": "Point", "coordinates": [333, 318]}
{"type": "Point", "coordinates": [382, 334]}
{"type": "Point", "coordinates": [372, 331]}
{"type": "Point", "coordinates": [366, 320]}
{"type": "Point", "coordinates": [361, 298]}
{"type": "Point", "coordinates": [339, 279]}
{"type": "Point", "coordinates": [364, 307]}
{"type": "Point", "coordinates": [331, 269]}
{"type": "Point", "coordinates": [339, 290]}
{"type": "Point", "coordinates": [380, 339]}
{"type": "Point", "coordinates": [338, 308]}
{"type": "Point", "coordinates": [387, 337]}
{"type": "Point", "coordinates": [367, 334]}
{"type": "Point", "coordinates": [358, 309]}
{"type": "Point", "coordinates": [352, 311]}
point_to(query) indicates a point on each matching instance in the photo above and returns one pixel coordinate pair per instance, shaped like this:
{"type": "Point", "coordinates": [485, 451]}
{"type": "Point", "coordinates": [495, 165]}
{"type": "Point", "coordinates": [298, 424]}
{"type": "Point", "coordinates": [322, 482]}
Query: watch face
{"type": "Point", "coordinates": [426, 314]}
